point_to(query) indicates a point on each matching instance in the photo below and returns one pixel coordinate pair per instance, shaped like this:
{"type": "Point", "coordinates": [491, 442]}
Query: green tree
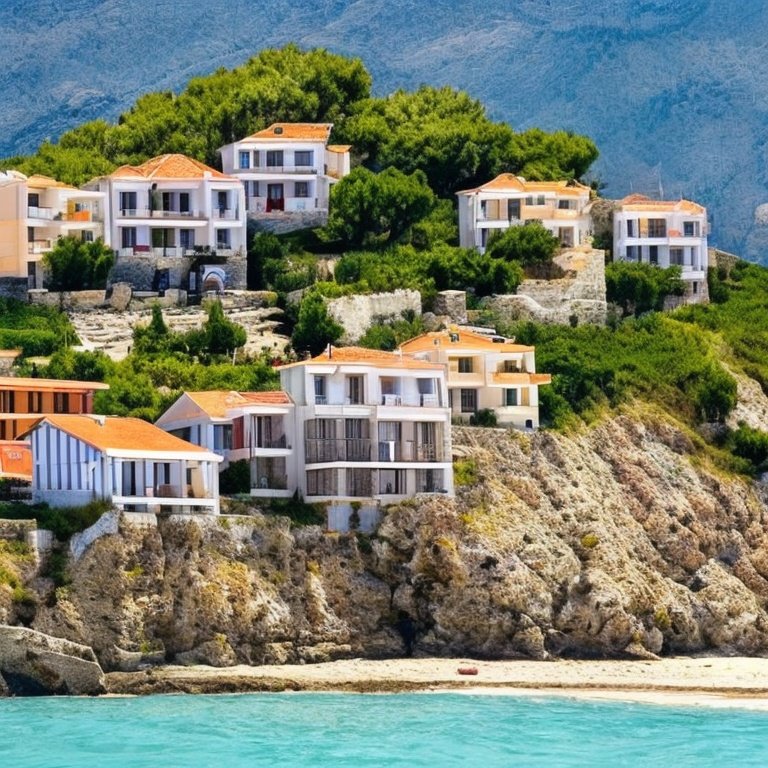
{"type": "Point", "coordinates": [315, 328]}
{"type": "Point", "coordinates": [74, 265]}
{"type": "Point", "coordinates": [639, 288]}
{"type": "Point", "coordinates": [221, 335]}
{"type": "Point", "coordinates": [367, 208]}
{"type": "Point", "coordinates": [530, 243]}
{"type": "Point", "coordinates": [155, 337]}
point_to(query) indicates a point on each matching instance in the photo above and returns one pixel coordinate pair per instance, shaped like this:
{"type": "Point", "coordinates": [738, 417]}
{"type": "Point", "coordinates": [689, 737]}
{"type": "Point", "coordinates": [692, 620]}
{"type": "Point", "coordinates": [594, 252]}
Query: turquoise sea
{"type": "Point", "coordinates": [373, 730]}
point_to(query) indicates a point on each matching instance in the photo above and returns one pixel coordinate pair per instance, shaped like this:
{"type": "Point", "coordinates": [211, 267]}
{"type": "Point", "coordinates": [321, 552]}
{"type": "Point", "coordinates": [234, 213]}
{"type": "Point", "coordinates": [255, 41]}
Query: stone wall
{"type": "Point", "coordinates": [283, 222]}
{"type": "Point", "coordinates": [578, 297]}
{"type": "Point", "coordinates": [358, 312]}
{"type": "Point", "coordinates": [14, 288]}
{"type": "Point", "coordinates": [79, 300]}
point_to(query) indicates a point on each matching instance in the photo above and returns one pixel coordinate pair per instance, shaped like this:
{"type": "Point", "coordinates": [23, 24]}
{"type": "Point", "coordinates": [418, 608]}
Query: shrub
{"type": "Point", "coordinates": [236, 478]}
{"type": "Point", "coordinates": [483, 418]}
{"type": "Point", "coordinates": [464, 472]}
{"type": "Point", "coordinates": [750, 444]}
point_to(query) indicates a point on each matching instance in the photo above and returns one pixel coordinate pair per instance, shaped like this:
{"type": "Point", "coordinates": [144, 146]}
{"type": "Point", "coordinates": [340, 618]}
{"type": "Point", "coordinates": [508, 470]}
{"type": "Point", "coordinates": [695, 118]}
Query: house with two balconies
{"type": "Point", "coordinates": [664, 233]}
{"type": "Point", "coordinates": [485, 372]}
{"type": "Point", "coordinates": [563, 207]}
{"type": "Point", "coordinates": [256, 427]}
{"type": "Point", "coordinates": [175, 207]}
{"type": "Point", "coordinates": [371, 426]}
{"type": "Point", "coordinates": [287, 167]}
{"type": "Point", "coordinates": [35, 211]}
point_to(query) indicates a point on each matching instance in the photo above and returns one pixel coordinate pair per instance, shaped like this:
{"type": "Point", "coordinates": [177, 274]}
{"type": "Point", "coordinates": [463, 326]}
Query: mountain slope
{"type": "Point", "coordinates": [671, 91]}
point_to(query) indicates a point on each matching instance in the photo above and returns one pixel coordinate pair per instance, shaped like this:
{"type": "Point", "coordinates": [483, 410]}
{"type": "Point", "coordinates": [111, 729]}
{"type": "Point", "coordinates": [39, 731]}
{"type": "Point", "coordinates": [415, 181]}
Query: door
{"type": "Point", "coordinates": [275, 199]}
{"type": "Point", "coordinates": [513, 209]}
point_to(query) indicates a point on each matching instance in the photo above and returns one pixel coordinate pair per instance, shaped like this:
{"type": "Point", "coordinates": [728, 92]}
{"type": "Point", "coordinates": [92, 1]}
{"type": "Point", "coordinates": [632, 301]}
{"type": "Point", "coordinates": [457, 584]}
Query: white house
{"type": "Point", "coordinates": [563, 207]}
{"type": "Point", "coordinates": [666, 233]}
{"type": "Point", "coordinates": [34, 212]}
{"type": "Point", "coordinates": [485, 372]}
{"type": "Point", "coordinates": [257, 427]}
{"type": "Point", "coordinates": [173, 205]}
{"type": "Point", "coordinates": [287, 167]}
{"type": "Point", "coordinates": [129, 462]}
{"type": "Point", "coordinates": [371, 426]}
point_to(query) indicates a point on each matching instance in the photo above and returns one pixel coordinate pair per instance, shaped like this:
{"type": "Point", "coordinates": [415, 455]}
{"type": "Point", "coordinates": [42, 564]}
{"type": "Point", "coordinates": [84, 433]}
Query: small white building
{"type": "Point", "coordinates": [132, 464]}
{"type": "Point", "coordinates": [34, 212]}
{"type": "Point", "coordinates": [485, 372]}
{"type": "Point", "coordinates": [371, 427]}
{"type": "Point", "coordinates": [563, 207]}
{"type": "Point", "coordinates": [173, 205]}
{"type": "Point", "coordinates": [665, 233]}
{"type": "Point", "coordinates": [257, 427]}
{"type": "Point", "coordinates": [287, 167]}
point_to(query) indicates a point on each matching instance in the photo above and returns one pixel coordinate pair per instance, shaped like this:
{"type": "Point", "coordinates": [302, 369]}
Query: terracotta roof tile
{"type": "Point", "coordinates": [121, 433]}
{"type": "Point", "coordinates": [294, 132]}
{"type": "Point", "coordinates": [46, 182]}
{"type": "Point", "coordinates": [169, 167]}
{"type": "Point", "coordinates": [364, 356]}
{"type": "Point", "coordinates": [216, 403]}
{"type": "Point", "coordinates": [636, 202]}
{"type": "Point", "coordinates": [469, 340]}
{"type": "Point", "coordinates": [512, 183]}
{"type": "Point", "coordinates": [19, 382]}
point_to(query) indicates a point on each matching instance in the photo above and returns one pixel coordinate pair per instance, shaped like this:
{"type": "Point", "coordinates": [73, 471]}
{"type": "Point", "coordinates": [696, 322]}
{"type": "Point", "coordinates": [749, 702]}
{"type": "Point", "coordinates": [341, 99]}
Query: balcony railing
{"type": "Point", "coordinates": [285, 204]}
{"type": "Point", "coordinates": [36, 212]}
{"type": "Point", "coordinates": [228, 214]}
{"type": "Point", "coordinates": [271, 482]}
{"type": "Point", "coordinates": [39, 246]}
{"type": "Point", "coordinates": [277, 442]}
{"type": "Point", "coordinates": [319, 450]}
{"type": "Point", "coordinates": [149, 213]}
{"type": "Point", "coordinates": [285, 169]}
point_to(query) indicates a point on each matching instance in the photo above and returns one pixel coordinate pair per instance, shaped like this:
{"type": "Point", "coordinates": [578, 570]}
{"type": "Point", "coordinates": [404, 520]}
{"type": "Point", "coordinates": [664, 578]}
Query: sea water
{"type": "Point", "coordinates": [433, 730]}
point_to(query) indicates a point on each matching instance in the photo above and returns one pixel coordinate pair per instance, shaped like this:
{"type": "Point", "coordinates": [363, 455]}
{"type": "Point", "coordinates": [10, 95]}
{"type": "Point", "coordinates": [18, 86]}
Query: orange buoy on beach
{"type": "Point", "coordinates": [467, 670]}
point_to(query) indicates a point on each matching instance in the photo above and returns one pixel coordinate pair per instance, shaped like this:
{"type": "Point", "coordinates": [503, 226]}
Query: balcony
{"type": "Point", "coordinates": [320, 450]}
{"type": "Point", "coordinates": [408, 450]}
{"type": "Point", "coordinates": [307, 170]}
{"type": "Point", "coordinates": [284, 204]}
{"type": "Point", "coordinates": [39, 246]}
{"type": "Point", "coordinates": [271, 482]}
{"type": "Point", "coordinates": [36, 212]}
{"type": "Point", "coordinates": [148, 213]}
{"type": "Point", "coordinates": [226, 214]}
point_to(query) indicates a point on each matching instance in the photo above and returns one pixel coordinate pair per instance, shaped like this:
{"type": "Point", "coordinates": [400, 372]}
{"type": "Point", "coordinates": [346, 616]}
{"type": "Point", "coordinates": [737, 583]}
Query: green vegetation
{"type": "Point", "coordinates": [637, 288]}
{"type": "Point", "coordinates": [315, 328]}
{"type": "Point", "coordinates": [75, 265]}
{"type": "Point", "coordinates": [464, 472]}
{"type": "Point", "coordinates": [390, 334]}
{"type": "Point", "coordinates": [35, 330]}
{"type": "Point", "coordinates": [657, 358]}
{"type": "Point", "coordinates": [530, 243]}
{"type": "Point", "coordinates": [63, 521]}
{"type": "Point", "coordinates": [298, 511]}
{"type": "Point", "coordinates": [236, 478]}
{"type": "Point", "coordinates": [750, 444]}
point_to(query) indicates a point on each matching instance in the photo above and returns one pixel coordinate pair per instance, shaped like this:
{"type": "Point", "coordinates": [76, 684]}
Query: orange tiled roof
{"type": "Point", "coordinates": [121, 433]}
{"type": "Point", "coordinates": [168, 167]}
{"type": "Point", "coordinates": [512, 183]}
{"type": "Point", "coordinates": [46, 182]}
{"type": "Point", "coordinates": [364, 356]}
{"type": "Point", "coordinates": [18, 382]}
{"type": "Point", "coordinates": [294, 132]}
{"type": "Point", "coordinates": [636, 202]}
{"type": "Point", "coordinates": [467, 340]}
{"type": "Point", "coordinates": [216, 403]}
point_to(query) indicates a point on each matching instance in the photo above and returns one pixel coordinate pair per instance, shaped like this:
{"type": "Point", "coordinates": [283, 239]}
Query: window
{"type": "Point", "coordinates": [322, 482]}
{"type": "Point", "coordinates": [60, 402]}
{"type": "Point", "coordinates": [128, 237]}
{"type": "Point", "coordinates": [695, 287]}
{"type": "Point", "coordinates": [222, 437]}
{"type": "Point", "coordinates": [630, 227]}
{"type": "Point", "coordinates": [127, 203]}
{"type": "Point", "coordinates": [510, 397]}
{"type": "Point", "coordinates": [535, 200]}
{"type": "Point", "coordinates": [676, 257]}
{"type": "Point", "coordinates": [86, 236]}
{"type": "Point", "coordinates": [320, 396]}
{"type": "Point", "coordinates": [355, 389]}
{"type": "Point", "coordinates": [222, 239]}
{"type": "Point", "coordinates": [187, 239]}
{"type": "Point", "coordinates": [468, 400]}
{"type": "Point", "coordinates": [35, 402]}
{"type": "Point", "coordinates": [184, 202]}
{"type": "Point", "coordinates": [633, 253]}
{"type": "Point", "coordinates": [653, 254]}
{"type": "Point", "coordinates": [33, 199]}
{"type": "Point", "coordinates": [657, 228]}
{"type": "Point", "coordinates": [690, 228]}
{"type": "Point", "coordinates": [564, 205]}
{"type": "Point", "coordinates": [465, 365]}
{"type": "Point", "coordinates": [303, 157]}
{"type": "Point", "coordinates": [274, 158]}
{"type": "Point", "coordinates": [245, 159]}
{"type": "Point", "coordinates": [301, 189]}
{"type": "Point", "coordinates": [167, 201]}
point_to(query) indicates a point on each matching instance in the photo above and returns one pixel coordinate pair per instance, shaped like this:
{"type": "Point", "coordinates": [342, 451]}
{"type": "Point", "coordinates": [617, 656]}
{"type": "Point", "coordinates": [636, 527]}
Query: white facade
{"type": "Point", "coordinates": [173, 205]}
{"type": "Point", "coordinates": [128, 462]}
{"type": "Point", "coordinates": [34, 212]}
{"type": "Point", "coordinates": [370, 426]}
{"type": "Point", "coordinates": [257, 427]}
{"type": "Point", "coordinates": [485, 372]}
{"type": "Point", "coordinates": [665, 233]}
{"type": "Point", "coordinates": [508, 200]}
{"type": "Point", "coordinates": [286, 167]}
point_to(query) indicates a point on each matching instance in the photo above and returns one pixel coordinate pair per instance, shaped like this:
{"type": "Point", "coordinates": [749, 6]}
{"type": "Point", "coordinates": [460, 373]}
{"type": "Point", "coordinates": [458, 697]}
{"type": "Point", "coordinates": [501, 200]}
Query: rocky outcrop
{"type": "Point", "coordinates": [32, 663]}
{"type": "Point", "coordinates": [357, 313]}
{"type": "Point", "coordinates": [622, 540]}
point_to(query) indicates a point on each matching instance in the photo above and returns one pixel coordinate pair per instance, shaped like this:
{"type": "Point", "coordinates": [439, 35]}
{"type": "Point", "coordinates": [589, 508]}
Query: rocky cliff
{"type": "Point", "coordinates": [623, 539]}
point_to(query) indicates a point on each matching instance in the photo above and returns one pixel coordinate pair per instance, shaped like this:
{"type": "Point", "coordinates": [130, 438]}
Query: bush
{"type": "Point", "coordinates": [483, 418]}
{"type": "Point", "coordinates": [530, 243]}
{"type": "Point", "coordinates": [639, 288]}
{"type": "Point", "coordinates": [75, 265]}
{"type": "Point", "coordinates": [236, 478]}
{"type": "Point", "coordinates": [750, 444]}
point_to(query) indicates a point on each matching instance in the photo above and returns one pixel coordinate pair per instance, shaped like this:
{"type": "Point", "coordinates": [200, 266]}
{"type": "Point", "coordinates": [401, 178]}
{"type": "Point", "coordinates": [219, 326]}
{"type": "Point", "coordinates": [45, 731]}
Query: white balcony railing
{"type": "Point", "coordinates": [36, 212]}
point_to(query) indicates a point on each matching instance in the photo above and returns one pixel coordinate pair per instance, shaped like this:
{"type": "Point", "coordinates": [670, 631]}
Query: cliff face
{"type": "Point", "coordinates": [614, 541]}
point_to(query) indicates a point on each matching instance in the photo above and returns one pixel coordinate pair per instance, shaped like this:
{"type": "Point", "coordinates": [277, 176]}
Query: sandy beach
{"type": "Point", "coordinates": [716, 681]}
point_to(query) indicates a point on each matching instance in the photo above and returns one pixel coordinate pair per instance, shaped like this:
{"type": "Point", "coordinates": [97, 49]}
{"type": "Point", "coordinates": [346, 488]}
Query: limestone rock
{"type": "Point", "coordinates": [121, 296]}
{"type": "Point", "coordinates": [32, 663]}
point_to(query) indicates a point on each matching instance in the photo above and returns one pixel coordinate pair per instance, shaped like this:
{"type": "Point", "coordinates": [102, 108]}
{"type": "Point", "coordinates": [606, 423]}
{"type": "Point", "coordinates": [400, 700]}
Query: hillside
{"type": "Point", "coordinates": [670, 91]}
